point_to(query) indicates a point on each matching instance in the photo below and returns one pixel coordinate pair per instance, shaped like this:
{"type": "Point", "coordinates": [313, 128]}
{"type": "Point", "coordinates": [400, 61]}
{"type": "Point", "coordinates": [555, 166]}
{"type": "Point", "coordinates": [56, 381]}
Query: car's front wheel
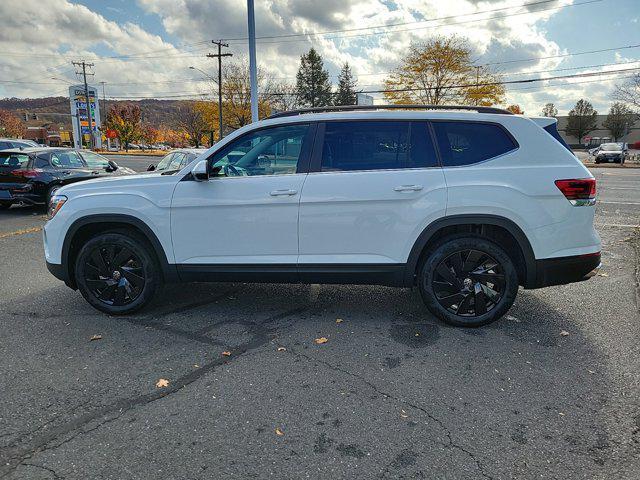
{"type": "Point", "coordinates": [117, 272]}
{"type": "Point", "coordinates": [468, 281]}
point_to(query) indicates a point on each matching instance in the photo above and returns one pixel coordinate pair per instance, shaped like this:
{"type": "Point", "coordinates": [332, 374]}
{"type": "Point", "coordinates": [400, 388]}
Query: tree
{"type": "Point", "coordinates": [515, 108]}
{"type": "Point", "coordinates": [149, 134]}
{"type": "Point", "coordinates": [581, 120]}
{"type": "Point", "coordinates": [125, 120]}
{"type": "Point", "coordinates": [441, 71]}
{"type": "Point", "coordinates": [629, 92]}
{"type": "Point", "coordinates": [283, 96]}
{"type": "Point", "coordinates": [550, 110]}
{"type": "Point", "coordinates": [346, 94]}
{"type": "Point", "coordinates": [10, 125]}
{"type": "Point", "coordinates": [312, 81]}
{"type": "Point", "coordinates": [619, 120]}
{"type": "Point", "coordinates": [190, 119]}
{"type": "Point", "coordinates": [236, 95]}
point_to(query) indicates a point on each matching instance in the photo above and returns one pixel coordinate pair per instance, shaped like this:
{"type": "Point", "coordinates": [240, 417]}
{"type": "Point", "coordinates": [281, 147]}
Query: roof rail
{"type": "Point", "coordinates": [353, 108]}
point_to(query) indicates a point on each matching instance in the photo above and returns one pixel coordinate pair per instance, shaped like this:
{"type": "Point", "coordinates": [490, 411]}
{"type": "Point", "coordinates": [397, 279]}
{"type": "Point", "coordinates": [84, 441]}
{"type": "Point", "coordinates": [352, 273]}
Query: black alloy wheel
{"type": "Point", "coordinates": [468, 283]}
{"type": "Point", "coordinates": [117, 272]}
{"type": "Point", "coordinates": [114, 274]}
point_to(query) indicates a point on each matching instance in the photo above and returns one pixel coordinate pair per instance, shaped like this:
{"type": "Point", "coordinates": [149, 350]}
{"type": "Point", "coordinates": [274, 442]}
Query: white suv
{"type": "Point", "coordinates": [464, 203]}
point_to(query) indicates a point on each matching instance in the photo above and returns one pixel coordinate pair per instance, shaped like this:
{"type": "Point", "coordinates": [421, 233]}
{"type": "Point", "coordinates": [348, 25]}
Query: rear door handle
{"type": "Point", "coordinates": [278, 193]}
{"type": "Point", "coordinates": [408, 188]}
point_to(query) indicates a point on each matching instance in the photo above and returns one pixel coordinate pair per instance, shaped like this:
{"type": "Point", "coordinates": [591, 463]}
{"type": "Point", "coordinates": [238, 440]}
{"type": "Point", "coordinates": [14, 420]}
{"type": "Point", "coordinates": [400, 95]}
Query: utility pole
{"type": "Point", "coordinates": [253, 68]}
{"type": "Point", "coordinates": [104, 104]}
{"type": "Point", "coordinates": [219, 56]}
{"type": "Point", "coordinates": [84, 66]}
{"type": "Point", "coordinates": [477, 84]}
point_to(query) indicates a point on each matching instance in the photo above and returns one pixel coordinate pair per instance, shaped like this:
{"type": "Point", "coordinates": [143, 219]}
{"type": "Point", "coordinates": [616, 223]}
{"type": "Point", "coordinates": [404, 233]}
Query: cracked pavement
{"type": "Point", "coordinates": [392, 394]}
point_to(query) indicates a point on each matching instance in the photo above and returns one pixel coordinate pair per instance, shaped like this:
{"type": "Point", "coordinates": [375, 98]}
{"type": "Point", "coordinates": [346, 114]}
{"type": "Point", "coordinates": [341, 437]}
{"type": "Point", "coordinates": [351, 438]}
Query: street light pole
{"type": "Point", "coordinates": [253, 69]}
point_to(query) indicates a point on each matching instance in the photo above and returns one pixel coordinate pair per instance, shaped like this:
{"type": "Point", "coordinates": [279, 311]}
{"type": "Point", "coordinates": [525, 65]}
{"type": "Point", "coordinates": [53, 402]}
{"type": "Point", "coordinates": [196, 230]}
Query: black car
{"type": "Point", "coordinates": [32, 175]}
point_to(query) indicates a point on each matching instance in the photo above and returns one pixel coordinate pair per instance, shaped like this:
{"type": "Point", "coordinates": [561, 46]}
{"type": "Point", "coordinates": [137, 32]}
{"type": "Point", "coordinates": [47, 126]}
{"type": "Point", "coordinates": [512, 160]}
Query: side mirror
{"type": "Point", "coordinates": [112, 166]}
{"type": "Point", "coordinates": [151, 168]}
{"type": "Point", "coordinates": [200, 172]}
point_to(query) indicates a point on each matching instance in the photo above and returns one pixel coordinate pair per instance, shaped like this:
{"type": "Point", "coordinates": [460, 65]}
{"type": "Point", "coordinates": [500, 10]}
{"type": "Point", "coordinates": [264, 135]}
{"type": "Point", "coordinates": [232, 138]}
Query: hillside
{"type": "Point", "coordinates": [156, 112]}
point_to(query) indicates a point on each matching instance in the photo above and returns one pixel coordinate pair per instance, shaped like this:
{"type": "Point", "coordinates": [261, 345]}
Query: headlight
{"type": "Point", "coordinates": [55, 203]}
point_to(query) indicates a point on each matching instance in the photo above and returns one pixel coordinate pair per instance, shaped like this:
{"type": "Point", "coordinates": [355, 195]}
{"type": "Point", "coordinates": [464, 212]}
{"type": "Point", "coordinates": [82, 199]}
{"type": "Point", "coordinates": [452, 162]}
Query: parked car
{"type": "Point", "coordinates": [465, 204]}
{"type": "Point", "coordinates": [176, 160]}
{"type": "Point", "coordinates": [33, 175]}
{"type": "Point", "coordinates": [611, 152]}
{"type": "Point", "coordinates": [8, 143]}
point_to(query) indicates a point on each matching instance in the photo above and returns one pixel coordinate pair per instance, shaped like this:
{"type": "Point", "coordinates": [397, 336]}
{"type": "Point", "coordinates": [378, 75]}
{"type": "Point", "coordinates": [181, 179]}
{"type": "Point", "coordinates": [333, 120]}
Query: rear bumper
{"type": "Point", "coordinates": [563, 270]}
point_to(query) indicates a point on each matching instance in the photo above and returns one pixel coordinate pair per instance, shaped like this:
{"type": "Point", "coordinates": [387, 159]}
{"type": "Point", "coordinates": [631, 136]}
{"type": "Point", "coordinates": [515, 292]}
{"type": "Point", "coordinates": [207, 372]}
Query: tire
{"type": "Point", "coordinates": [468, 281]}
{"type": "Point", "coordinates": [117, 272]}
{"type": "Point", "coordinates": [5, 205]}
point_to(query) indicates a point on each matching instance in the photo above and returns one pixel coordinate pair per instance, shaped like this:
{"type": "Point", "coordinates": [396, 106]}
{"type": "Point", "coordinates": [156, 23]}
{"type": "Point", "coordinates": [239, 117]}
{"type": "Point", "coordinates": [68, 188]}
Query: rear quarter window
{"type": "Point", "coordinates": [466, 143]}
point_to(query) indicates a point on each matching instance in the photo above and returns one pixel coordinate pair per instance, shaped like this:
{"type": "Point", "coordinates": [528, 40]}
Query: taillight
{"type": "Point", "coordinates": [27, 173]}
{"type": "Point", "coordinates": [579, 192]}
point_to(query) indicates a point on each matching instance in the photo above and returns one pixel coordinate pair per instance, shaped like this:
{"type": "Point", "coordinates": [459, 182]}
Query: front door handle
{"type": "Point", "coordinates": [278, 193]}
{"type": "Point", "coordinates": [408, 188]}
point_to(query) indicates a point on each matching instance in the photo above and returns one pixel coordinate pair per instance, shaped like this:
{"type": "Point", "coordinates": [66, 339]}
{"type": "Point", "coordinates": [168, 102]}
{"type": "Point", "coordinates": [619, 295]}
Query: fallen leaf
{"type": "Point", "coordinates": [591, 372]}
{"type": "Point", "coordinates": [604, 274]}
{"type": "Point", "coordinates": [417, 334]}
{"type": "Point", "coordinates": [321, 340]}
{"type": "Point", "coordinates": [162, 383]}
{"type": "Point", "coordinates": [564, 333]}
{"type": "Point", "coordinates": [339, 320]}
{"type": "Point", "coordinates": [95, 337]}
{"type": "Point", "coordinates": [561, 414]}
{"type": "Point", "coordinates": [195, 365]}
{"type": "Point", "coordinates": [282, 349]}
{"type": "Point", "coordinates": [279, 432]}
{"type": "Point", "coordinates": [226, 354]}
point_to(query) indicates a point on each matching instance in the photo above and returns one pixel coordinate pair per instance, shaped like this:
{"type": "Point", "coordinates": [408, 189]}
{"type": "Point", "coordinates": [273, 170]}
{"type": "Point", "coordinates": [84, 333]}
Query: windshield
{"type": "Point", "coordinates": [94, 160]}
{"type": "Point", "coordinates": [164, 163]}
{"type": "Point", "coordinates": [611, 147]}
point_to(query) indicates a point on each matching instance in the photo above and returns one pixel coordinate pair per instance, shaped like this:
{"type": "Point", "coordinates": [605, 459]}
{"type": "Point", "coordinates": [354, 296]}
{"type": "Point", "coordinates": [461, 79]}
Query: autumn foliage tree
{"type": "Point", "coordinates": [125, 120]}
{"type": "Point", "coordinates": [191, 120]}
{"type": "Point", "coordinates": [10, 125]}
{"type": "Point", "coordinates": [441, 71]}
{"type": "Point", "coordinates": [515, 109]}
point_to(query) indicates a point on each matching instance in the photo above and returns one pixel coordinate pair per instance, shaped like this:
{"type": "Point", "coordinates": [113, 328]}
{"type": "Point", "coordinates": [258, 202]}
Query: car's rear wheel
{"type": "Point", "coordinates": [117, 272]}
{"type": "Point", "coordinates": [5, 205]}
{"type": "Point", "coordinates": [468, 281]}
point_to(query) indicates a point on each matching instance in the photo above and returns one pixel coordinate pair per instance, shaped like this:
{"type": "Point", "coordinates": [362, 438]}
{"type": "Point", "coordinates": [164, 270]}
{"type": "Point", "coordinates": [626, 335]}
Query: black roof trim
{"type": "Point", "coordinates": [354, 108]}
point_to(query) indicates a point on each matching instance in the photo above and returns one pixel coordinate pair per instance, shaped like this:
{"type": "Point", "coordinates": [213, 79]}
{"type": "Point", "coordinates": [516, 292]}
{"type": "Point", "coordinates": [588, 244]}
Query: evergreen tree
{"type": "Point", "coordinates": [346, 94]}
{"type": "Point", "coordinates": [312, 81]}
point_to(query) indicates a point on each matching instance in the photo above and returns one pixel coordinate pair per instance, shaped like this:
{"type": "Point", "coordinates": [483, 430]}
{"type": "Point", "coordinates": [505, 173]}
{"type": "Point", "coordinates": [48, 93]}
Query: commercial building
{"type": "Point", "coordinates": [600, 135]}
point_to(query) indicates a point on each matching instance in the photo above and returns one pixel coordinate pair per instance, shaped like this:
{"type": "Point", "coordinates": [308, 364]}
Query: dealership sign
{"type": "Point", "coordinates": [80, 111]}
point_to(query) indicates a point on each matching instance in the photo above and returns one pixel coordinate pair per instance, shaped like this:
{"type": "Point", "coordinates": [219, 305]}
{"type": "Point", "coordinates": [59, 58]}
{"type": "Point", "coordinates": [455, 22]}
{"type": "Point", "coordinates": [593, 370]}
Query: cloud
{"type": "Point", "coordinates": [41, 37]}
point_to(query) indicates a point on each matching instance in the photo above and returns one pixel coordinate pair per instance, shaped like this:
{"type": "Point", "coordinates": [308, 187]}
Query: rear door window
{"type": "Point", "coordinates": [376, 145]}
{"type": "Point", "coordinates": [466, 143]}
{"type": "Point", "coordinates": [69, 159]}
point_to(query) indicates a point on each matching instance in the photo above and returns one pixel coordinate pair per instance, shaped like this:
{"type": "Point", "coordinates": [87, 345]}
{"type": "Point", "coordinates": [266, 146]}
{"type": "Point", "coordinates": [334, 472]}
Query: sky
{"type": "Point", "coordinates": [144, 48]}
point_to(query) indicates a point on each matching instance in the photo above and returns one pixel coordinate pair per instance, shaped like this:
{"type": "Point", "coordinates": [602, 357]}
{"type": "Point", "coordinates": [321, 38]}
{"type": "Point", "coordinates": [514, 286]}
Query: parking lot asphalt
{"type": "Point", "coordinates": [550, 391]}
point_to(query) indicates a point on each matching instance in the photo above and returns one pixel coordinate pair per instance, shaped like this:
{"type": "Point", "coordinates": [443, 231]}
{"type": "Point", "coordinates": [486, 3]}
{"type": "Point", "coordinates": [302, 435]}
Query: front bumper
{"type": "Point", "coordinates": [563, 270]}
